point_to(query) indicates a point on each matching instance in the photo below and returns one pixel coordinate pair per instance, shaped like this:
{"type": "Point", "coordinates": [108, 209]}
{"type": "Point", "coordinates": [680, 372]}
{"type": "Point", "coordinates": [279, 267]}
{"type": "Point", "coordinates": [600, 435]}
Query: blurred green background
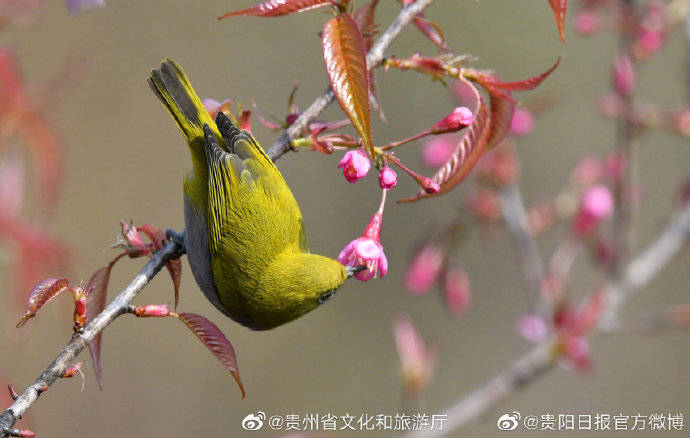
{"type": "Point", "coordinates": [126, 159]}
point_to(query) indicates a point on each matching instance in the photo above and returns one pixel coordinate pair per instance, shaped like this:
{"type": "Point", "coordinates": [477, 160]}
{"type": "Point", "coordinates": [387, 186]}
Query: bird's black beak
{"type": "Point", "coordinates": [353, 270]}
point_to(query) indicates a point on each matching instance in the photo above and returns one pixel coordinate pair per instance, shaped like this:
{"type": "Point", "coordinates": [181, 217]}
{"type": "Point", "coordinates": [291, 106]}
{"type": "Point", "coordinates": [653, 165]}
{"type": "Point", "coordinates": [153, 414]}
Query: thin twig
{"type": "Point", "coordinates": [374, 58]}
{"type": "Point", "coordinates": [647, 265]}
{"type": "Point", "coordinates": [626, 139]}
{"type": "Point", "coordinates": [62, 361]}
{"type": "Point", "coordinates": [540, 359]}
{"type": "Point", "coordinates": [515, 217]}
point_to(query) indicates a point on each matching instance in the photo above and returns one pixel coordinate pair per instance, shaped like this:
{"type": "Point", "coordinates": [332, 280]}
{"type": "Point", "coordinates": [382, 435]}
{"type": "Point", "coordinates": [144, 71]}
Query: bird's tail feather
{"type": "Point", "coordinates": [173, 89]}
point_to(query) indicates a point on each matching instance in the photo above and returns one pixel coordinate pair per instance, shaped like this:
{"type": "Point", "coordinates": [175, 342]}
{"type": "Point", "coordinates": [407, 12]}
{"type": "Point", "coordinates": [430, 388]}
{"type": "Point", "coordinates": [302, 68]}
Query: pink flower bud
{"type": "Point", "coordinates": [437, 151]}
{"type": "Point", "coordinates": [70, 372]}
{"type": "Point", "coordinates": [598, 202]}
{"type": "Point", "coordinates": [586, 23]}
{"type": "Point", "coordinates": [430, 186]}
{"type": "Point", "coordinates": [150, 310]}
{"type": "Point", "coordinates": [461, 117]}
{"type": "Point", "coordinates": [355, 165]}
{"type": "Point", "coordinates": [388, 178]}
{"type": "Point", "coordinates": [456, 286]}
{"type": "Point", "coordinates": [588, 171]}
{"type": "Point", "coordinates": [424, 269]}
{"type": "Point", "coordinates": [532, 328]}
{"type": "Point", "coordinates": [485, 206]}
{"type": "Point", "coordinates": [623, 75]}
{"type": "Point", "coordinates": [417, 361]}
{"type": "Point", "coordinates": [522, 122]}
{"type": "Point", "coordinates": [596, 206]}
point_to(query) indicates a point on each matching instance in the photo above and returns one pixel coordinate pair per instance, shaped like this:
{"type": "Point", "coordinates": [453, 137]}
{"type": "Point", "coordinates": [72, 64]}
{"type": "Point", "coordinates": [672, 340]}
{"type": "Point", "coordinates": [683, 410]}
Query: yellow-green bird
{"type": "Point", "coordinates": [244, 234]}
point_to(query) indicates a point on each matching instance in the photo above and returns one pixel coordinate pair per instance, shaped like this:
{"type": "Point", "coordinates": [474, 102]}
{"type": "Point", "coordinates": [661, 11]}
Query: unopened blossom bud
{"type": "Point", "coordinates": [623, 75]}
{"type": "Point", "coordinates": [586, 23]}
{"type": "Point", "coordinates": [388, 178]}
{"type": "Point", "coordinates": [423, 272]}
{"type": "Point", "coordinates": [461, 117]}
{"type": "Point", "coordinates": [456, 288]}
{"type": "Point", "coordinates": [522, 122]}
{"type": "Point", "coordinates": [587, 171]}
{"type": "Point", "coordinates": [355, 165]}
{"type": "Point", "coordinates": [596, 206]}
{"type": "Point", "coordinates": [417, 361]}
{"type": "Point", "coordinates": [429, 185]}
{"type": "Point", "coordinates": [150, 310]}
{"type": "Point", "coordinates": [486, 206]}
{"type": "Point", "coordinates": [438, 150]}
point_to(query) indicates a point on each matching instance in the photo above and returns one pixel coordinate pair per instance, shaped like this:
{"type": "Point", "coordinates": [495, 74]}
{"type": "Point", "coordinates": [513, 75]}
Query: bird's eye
{"type": "Point", "coordinates": [326, 296]}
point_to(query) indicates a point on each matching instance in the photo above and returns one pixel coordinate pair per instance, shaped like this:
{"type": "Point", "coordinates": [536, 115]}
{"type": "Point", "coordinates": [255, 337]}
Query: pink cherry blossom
{"type": "Point", "coordinates": [438, 150]}
{"type": "Point", "coordinates": [424, 270]}
{"type": "Point", "coordinates": [522, 122]}
{"type": "Point", "coordinates": [456, 286]}
{"type": "Point", "coordinates": [355, 165]}
{"type": "Point", "coordinates": [367, 250]}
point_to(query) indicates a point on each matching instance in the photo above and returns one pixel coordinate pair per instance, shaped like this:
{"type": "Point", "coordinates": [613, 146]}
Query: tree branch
{"type": "Point", "coordinates": [62, 361]}
{"type": "Point", "coordinates": [515, 217]}
{"type": "Point", "coordinates": [374, 59]}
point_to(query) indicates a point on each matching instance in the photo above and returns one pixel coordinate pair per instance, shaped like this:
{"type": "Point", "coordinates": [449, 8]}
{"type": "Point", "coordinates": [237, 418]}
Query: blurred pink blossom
{"type": "Point", "coordinates": [417, 361]}
{"type": "Point", "coordinates": [11, 186]}
{"type": "Point", "coordinates": [532, 328]}
{"type": "Point", "coordinates": [586, 23]}
{"type": "Point", "coordinates": [423, 272]}
{"type": "Point", "coordinates": [623, 75]}
{"type": "Point", "coordinates": [456, 287]}
{"type": "Point", "coordinates": [522, 122]}
{"type": "Point", "coordinates": [438, 150]}
{"type": "Point", "coordinates": [596, 206]}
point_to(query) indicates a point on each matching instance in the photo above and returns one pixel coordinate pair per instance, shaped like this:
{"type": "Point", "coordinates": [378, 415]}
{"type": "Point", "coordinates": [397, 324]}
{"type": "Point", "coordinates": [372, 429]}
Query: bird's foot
{"type": "Point", "coordinates": [176, 237]}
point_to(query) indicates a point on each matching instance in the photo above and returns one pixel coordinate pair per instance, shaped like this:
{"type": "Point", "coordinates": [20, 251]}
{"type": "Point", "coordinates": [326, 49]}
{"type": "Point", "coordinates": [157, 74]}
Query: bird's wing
{"type": "Point", "coordinates": [249, 202]}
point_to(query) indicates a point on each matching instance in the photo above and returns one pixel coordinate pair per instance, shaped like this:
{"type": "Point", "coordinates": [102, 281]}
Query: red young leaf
{"type": "Point", "coordinates": [25, 118]}
{"type": "Point", "coordinates": [431, 31]}
{"type": "Point", "coordinates": [42, 292]}
{"type": "Point", "coordinates": [364, 17]}
{"type": "Point", "coordinates": [96, 291]}
{"type": "Point", "coordinates": [491, 81]}
{"type": "Point", "coordinates": [277, 8]}
{"type": "Point", "coordinates": [502, 109]}
{"type": "Point", "coordinates": [346, 65]}
{"type": "Point", "coordinates": [559, 7]}
{"type": "Point", "coordinates": [464, 158]}
{"type": "Point", "coordinates": [214, 340]}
